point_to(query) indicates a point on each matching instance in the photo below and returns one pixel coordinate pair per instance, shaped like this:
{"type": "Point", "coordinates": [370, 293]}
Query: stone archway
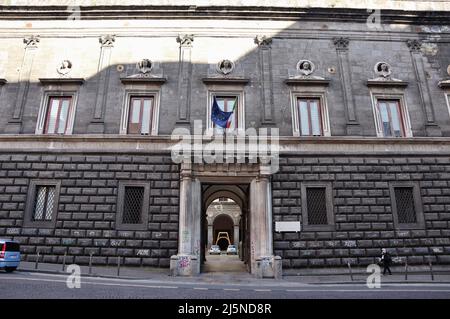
{"type": "Point", "coordinates": [256, 202]}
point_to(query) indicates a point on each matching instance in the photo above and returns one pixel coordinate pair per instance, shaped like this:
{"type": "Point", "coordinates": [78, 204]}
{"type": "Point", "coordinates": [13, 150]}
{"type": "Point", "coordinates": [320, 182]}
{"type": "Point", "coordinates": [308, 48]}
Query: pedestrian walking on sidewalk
{"type": "Point", "coordinates": [385, 261]}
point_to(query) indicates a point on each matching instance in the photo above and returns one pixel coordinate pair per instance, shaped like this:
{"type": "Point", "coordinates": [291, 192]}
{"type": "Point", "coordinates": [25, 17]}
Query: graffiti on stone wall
{"type": "Point", "coordinates": [13, 231]}
{"type": "Point", "coordinates": [115, 243]}
{"type": "Point", "coordinates": [350, 243]}
{"type": "Point", "coordinates": [143, 252]}
{"type": "Point", "coordinates": [184, 261]}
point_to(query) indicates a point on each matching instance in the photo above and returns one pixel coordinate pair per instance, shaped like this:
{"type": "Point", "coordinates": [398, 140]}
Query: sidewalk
{"type": "Point", "coordinates": [416, 274]}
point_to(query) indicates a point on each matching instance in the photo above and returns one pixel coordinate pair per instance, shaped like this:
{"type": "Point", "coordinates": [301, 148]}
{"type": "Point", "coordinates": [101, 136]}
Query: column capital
{"type": "Point", "coordinates": [185, 40]}
{"type": "Point", "coordinates": [414, 45]}
{"type": "Point", "coordinates": [263, 41]}
{"type": "Point", "coordinates": [31, 41]}
{"type": "Point", "coordinates": [341, 43]}
{"type": "Point", "coordinates": [107, 40]}
{"type": "Point", "coordinates": [186, 171]}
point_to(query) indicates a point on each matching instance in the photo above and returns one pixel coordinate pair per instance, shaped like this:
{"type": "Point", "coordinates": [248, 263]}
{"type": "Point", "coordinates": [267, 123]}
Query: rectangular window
{"type": "Point", "coordinates": [228, 104]}
{"type": "Point", "coordinates": [140, 115]}
{"type": "Point", "coordinates": [407, 208]}
{"type": "Point", "coordinates": [404, 200]}
{"type": "Point", "coordinates": [58, 111]}
{"type": "Point", "coordinates": [310, 116]}
{"type": "Point", "coordinates": [44, 203]}
{"type": "Point", "coordinates": [133, 203]}
{"type": "Point", "coordinates": [391, 118]}
{"type": "Point", "coordinates": [317, 208]}
{"type": "Point", "coordinates": [133, 206]}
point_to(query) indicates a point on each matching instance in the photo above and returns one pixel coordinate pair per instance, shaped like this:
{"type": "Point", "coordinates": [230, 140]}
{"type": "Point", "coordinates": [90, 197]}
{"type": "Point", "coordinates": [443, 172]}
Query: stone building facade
{"type": "Point", "coordinates": [91, 94]}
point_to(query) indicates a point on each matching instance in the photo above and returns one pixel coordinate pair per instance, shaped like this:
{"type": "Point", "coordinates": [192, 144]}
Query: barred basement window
{"type": "Point", "coordinates": [317, 206]}
{"type": "Point", "coordinates": [406, 205]}
{"type": "Point", "coordinates": [133, 206]}
{"type": "Point", "coordinates": [132, 210]}
{"type": "Point", "coordinates": [44, 203]}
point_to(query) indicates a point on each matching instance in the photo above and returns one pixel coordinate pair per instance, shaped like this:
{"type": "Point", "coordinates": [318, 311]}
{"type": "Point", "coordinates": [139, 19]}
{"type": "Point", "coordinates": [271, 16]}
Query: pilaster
{"type": "Point", "coordinates": [353, 126]}
{"type": "Point", "coordinates": [97, 124]}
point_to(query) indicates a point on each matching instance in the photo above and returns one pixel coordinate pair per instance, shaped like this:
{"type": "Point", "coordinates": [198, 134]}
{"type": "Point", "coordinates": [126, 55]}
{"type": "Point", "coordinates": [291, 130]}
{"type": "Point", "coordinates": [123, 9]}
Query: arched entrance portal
{"type": "Point", "coordinates": [249, 186]}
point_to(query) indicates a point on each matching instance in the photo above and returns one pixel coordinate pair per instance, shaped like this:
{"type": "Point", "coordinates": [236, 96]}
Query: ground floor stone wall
{"type": "Point", "coordinates": [362, 210]}
{"type": "Point", "coordinates": [361, 206]}
{"type": "Point", "coordinates": [86, 216]}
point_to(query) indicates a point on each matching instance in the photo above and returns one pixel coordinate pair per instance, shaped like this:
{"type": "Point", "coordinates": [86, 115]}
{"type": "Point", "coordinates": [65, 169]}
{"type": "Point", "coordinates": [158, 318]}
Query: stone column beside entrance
{"type": "Point", "coordinates": [264, 263]}
{"type": "Point", "coordinates": [187, 261]}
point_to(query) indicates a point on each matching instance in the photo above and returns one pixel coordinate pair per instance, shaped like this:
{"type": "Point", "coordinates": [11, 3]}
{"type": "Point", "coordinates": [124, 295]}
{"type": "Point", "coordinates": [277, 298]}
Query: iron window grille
{"type": "Point", "coordinates": [44, 203]}
{"type": "Point", "coordinates": [317, 206]}
{"type": "Point", "coordinates": [317, 209]}
{"type": "Point", "coordinates": [407, 209]}
{"type": "Point", "coordinates": [133, 203]}
{"type": "Point", "coordinates": [406, 212]}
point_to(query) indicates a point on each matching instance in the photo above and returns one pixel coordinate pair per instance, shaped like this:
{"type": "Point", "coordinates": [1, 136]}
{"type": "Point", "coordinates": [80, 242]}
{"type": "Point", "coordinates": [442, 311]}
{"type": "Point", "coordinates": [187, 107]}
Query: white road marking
{"type": "Point", "coordinates": [262, 289]}
{"type": "Point", "coordinates": [83, 282]}
{"type": "Point", "coordinates": [231, 289]}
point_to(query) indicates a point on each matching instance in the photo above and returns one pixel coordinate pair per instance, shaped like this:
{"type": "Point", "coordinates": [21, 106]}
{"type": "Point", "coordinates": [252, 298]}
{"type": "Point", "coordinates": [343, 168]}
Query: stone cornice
{"type": "Point", "coordinates": [307, 146]}
{"type": "Point", "coordinates": [55, 12]}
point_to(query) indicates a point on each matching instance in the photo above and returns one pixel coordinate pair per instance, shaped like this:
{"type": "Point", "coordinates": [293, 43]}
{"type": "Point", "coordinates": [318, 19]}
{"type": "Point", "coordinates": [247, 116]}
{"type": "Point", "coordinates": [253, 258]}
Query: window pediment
{"type": "Point", "coordinates": [226, 80]}
{"type": "Point", "coordinates": [61, 81]}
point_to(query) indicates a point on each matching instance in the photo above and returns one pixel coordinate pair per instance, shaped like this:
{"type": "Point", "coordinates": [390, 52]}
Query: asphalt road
{"type": "Point", "coordinates": [27, 285]}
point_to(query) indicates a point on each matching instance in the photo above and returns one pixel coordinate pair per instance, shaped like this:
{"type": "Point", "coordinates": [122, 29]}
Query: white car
{"type": "Point", "coordinates": [231, 250]}
{"type": "Point", "coordinates": [214, 250]}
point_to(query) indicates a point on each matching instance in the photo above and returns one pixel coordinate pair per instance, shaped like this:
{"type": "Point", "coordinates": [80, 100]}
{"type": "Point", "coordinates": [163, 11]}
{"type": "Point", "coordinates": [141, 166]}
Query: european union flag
{"type": "Point", "coordinates": [218, 116]}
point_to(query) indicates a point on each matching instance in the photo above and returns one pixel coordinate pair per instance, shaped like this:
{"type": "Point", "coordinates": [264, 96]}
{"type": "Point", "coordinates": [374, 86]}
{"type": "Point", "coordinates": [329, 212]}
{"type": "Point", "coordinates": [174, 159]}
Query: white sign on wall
{"type": "Point", "coordinates": [287, 226]}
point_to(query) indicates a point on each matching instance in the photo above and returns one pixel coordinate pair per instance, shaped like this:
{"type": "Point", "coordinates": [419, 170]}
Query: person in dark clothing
{"type": "Point", "coordinates": [386, 261]}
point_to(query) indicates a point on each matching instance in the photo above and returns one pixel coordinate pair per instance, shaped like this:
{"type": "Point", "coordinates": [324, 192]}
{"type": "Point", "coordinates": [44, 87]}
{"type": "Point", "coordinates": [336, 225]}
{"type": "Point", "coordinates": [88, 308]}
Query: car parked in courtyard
{"type": "Point", "coordinates": [214, 250]}
{"type": "Point", "coordinates": [9, 255]}
{"type": "Point", "coordinates": [231, 250]}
